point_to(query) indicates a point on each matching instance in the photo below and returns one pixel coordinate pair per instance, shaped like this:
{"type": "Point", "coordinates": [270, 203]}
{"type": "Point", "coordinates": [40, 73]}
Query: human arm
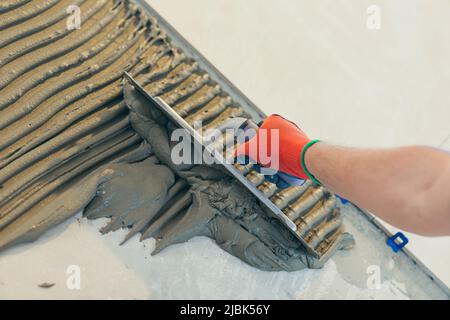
{"type": "Point", "coordinates": [408, 187]}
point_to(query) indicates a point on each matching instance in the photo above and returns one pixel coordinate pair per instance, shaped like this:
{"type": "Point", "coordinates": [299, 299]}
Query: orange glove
{"type": "Point", "coordinates": [292, 144]}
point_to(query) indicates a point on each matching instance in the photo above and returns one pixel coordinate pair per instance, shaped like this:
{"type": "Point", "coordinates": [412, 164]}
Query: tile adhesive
{"type": "Point", "coordinates": [75, 135]}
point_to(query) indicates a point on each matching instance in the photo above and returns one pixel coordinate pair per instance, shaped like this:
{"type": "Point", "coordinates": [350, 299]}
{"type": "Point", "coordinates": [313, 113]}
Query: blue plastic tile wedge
{"type": "Point", "coordinates": [397, 241]}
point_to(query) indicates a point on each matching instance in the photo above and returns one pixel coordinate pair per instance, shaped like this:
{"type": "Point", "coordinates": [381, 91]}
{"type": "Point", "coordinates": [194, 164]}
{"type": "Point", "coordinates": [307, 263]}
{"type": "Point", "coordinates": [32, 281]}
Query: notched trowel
{"type": "Point", "coordinates": [199, 141]}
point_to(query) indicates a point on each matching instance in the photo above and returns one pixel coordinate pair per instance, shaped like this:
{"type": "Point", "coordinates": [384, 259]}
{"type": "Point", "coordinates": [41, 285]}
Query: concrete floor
{"type": "Point", "coordinates": [315, 62]}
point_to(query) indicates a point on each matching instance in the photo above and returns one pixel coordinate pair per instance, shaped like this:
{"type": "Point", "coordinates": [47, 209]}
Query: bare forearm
{"type": "Point", "coordinates": [408, 187]}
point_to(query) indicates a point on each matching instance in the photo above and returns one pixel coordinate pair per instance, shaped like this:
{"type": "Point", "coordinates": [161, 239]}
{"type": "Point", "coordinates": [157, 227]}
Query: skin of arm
{"type": "Point", "coordinates": [409, 187]}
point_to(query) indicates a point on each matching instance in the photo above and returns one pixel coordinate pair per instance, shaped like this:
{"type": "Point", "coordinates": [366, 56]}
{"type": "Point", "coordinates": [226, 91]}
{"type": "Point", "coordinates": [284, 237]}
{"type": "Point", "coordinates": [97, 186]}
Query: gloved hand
{"type": "Point", "coordinates": [292, 144]}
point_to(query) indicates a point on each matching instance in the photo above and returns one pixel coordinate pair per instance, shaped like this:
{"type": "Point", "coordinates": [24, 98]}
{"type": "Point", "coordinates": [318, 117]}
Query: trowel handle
{"type": "Point", "coordinates": [281, 179]}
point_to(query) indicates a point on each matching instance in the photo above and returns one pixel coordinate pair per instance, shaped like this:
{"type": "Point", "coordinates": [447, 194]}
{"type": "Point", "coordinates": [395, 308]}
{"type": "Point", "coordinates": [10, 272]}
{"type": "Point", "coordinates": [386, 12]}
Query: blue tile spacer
{"type": "Point", "coordinates": [343, 200]}
{"type": "Point", "coordinates": [397, 241]}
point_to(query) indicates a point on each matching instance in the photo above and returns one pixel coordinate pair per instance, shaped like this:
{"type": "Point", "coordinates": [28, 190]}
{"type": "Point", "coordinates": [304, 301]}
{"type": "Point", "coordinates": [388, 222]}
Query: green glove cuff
{"type": "Point", "coordinates": [305, 148]}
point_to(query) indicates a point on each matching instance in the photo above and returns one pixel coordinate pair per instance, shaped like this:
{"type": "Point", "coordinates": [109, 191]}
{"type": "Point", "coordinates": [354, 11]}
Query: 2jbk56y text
{"type": "Point", "coordinates": [243, 309]}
